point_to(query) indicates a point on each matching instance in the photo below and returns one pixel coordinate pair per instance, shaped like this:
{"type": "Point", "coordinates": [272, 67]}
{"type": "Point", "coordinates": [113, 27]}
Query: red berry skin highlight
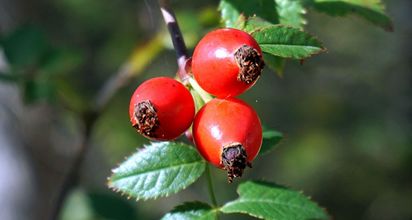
{"type": "Point", "coordinates": [217, 61]}
{"type": "Point", "coordinates": [161, 108]}
{"type": "Point", "coordinates": [223, 123]}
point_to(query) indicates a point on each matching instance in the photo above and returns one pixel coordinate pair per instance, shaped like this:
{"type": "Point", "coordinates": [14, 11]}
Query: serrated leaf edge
{"type": "Point", "coordinates": [128, 195]}
{"type": "Point", "coordinates": [302, 13]}
{"type": "Point", "coordinates": [322, 48]}
{"type": "Point", "coordinates": [266, 182]}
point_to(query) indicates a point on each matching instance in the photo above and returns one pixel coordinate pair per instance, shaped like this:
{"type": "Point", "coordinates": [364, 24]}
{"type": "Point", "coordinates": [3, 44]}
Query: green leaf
{"type": "Point", "coordinates": [254, 23]}
{"type": "Point", "coordinates": [232, 9]}
{"type": "Point", "coordinates": [192, 211]}
{"type": "Point", "coordinates": [157, 170]}
{"type": "Point", "coordinates": [270, 139]}
{"type": "Point", "coordinates": [287, 42]}
{"type": "Point", "coordinates": [275, 63]}
{"type": "Point", "coordinates": [290, 12]}
{"type": "Point", "coordinates": [270, 201]}
{"type": "Point", "coordinates": [371, 10]}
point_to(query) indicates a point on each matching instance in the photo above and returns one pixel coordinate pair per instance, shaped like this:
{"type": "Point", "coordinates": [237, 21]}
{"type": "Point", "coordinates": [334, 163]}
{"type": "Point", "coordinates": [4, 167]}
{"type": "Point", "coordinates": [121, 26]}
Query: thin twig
{"type": "Point", "coordinates": [177, 39]}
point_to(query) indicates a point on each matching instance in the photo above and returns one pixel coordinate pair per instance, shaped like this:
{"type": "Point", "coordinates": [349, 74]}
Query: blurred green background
{"type": "Point", "coordinates": [346, 114]}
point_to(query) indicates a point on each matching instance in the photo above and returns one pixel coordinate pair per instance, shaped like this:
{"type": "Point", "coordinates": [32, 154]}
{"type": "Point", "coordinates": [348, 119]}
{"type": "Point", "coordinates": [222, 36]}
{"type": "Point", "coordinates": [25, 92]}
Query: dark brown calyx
{"type": "Point", "coordinates": [146, 118]}
{"type": "Point", "coordinates": [234, 160]}
{"type": "Point", "coordinates": [250, 64]}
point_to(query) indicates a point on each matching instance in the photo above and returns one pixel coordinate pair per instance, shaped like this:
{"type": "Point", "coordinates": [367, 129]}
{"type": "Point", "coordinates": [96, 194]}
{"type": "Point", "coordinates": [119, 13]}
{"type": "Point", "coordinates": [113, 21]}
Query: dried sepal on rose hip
{"type": "Point", "coordinates": [228, 134]}
{"type": "Point", "coordinates": [161, 109]}
{"type": "Point", "coordinates": [226, 62]}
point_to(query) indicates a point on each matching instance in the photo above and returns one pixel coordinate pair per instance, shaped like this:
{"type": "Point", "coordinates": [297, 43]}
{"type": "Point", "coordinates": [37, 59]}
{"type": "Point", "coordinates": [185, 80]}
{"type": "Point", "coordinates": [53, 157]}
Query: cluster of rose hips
{"type": "Point", "coordinates": [226, 131]}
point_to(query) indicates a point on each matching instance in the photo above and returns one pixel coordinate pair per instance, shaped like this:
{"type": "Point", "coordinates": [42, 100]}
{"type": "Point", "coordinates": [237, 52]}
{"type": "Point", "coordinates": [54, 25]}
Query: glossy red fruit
{"type": "Point", "coordinates": [161, 109]}
{"type": "Point", "coordinates": [228, 134]}
{"type": "Point", "coordinates": [227, 62]}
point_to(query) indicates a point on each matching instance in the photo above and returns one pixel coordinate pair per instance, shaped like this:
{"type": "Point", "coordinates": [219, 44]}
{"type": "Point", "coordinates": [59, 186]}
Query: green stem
{"type": "Point", "coordinates": [210, 186]}
{"type": "Point", "coordinates": [203, 94]}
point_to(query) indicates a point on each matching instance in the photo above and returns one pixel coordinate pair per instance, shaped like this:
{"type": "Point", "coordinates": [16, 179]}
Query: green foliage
{"type": "Point", "coordinates": [278, 28]}
{"type": "Point", "coordinates": [290, 12]}
{"type": "Point", "coordinates": [232, 9]}
{"type": "Point", "coordinates": [269, 201]}
{"type": "Point", "coordinates": [161, 169]}
{"type": "Point", "coordinates": [270, 140]}
{"type": "Point", "coordinates": [372, 10]}
{"type": "Point", "coordinates": [192, 211]}
{"type": "Point", "coordinates": [287, 42]}
{"type": "Point", "coordinates": [279, 42]}
{"type": "Point", "coordinates": [284, 43]}
{"type": "Point", "coordinates": [158, 170]}
{"type": "Point", "coordinates": [253, 24]}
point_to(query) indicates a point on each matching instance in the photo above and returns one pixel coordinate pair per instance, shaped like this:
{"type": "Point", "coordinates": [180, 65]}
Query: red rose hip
{"type": "Point", "coordinates": [161, 109]}
{"type": "Point", "coordinates": [226, 62]}
{"type": "Point", "coordinates": [228, 134]}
